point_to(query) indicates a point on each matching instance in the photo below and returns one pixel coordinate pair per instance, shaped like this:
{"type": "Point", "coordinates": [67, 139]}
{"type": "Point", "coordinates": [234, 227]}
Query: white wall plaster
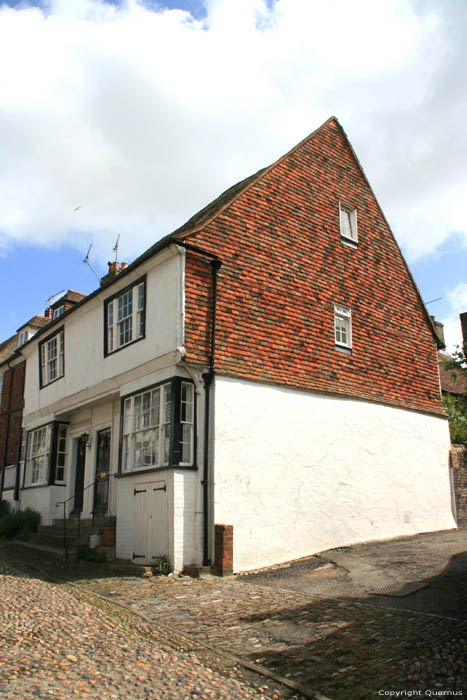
{"type": "Point", "coordinates": [297, 472]}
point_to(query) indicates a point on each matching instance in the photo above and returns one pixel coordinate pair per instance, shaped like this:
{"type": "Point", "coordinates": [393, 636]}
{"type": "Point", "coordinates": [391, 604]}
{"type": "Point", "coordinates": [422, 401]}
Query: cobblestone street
{"type": "Point", "coordinates": [166, 637]}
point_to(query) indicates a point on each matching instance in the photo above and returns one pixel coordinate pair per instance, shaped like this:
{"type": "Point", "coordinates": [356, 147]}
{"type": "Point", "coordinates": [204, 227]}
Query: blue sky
{"type": "Point", "coordinates": [125, 118]}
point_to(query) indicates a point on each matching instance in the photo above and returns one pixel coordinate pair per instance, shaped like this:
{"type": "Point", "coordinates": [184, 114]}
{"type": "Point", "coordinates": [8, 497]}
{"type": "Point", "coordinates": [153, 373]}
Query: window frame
{"type": "Point", "coordinates": [175, 444]}
{"type": "Point", "coordinates": [351, 212]}
{"type": "Point", "coordinates": [57, 312]}
{"type": "Point", "coordinates": [60, 365]}
{"type": "Point", "coordinates": [50, 455]}
{"type": "Point", "coordinates": [111, 309]}
{"type": "Point", "coordinates": [343, 313]}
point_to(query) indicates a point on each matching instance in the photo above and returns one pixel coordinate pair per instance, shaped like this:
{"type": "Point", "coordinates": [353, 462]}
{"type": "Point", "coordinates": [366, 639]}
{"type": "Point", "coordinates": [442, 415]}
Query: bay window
{"type": "Point", "coordinates": [158, 427]}
{"type": "Point", "coordinates": [45, 455]}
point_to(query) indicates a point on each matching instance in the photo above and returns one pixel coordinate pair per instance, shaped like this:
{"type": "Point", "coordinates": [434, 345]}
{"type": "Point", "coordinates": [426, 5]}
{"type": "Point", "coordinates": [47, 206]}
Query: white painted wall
{"type": "Point", "coordinates": [181, 489]}
{"type": "Point", "coordinates": [298, 472]}
{"type": "Point", "coordinates": [85, 364]}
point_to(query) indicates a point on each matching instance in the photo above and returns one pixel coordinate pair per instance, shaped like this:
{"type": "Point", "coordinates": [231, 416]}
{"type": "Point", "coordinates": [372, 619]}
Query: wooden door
{"type": "Point", "coordinates": [150, 522]}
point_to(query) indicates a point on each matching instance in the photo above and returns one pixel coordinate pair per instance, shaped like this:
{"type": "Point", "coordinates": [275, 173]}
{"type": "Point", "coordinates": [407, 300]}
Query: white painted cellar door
{"type": "Point", "coordinates": [150, 525]}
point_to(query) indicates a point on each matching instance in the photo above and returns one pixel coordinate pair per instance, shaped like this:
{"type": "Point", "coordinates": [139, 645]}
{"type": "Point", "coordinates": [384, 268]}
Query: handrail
{"type": "Point", "coordinates": [99, 477]}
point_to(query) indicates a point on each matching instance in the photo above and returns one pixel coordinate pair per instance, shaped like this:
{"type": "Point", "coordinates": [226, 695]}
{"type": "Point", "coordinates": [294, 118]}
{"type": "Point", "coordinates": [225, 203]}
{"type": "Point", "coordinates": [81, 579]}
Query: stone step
{"type": "Point", "coordinates": [56, 539]}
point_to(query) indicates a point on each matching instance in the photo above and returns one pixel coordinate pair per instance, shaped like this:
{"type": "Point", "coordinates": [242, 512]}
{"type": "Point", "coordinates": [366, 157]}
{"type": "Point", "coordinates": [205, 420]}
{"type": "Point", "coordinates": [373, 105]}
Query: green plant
{"type": "Point", "coordinates": [110, 521]}
{"type": "Point", "coordinates": [4, 508]}
{"type": "Point", "coordinates": [161, 566]}
{"type": "Point", "coordinates": [20, 524]}
{"type": "Point", "coordinates": [85, 553]}
{"type": "Point", "coordinates": [456, 405]}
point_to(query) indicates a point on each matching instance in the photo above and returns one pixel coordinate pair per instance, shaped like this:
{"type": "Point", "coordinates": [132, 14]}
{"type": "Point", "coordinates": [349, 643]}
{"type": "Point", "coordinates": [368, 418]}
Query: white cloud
{"type": "Point", "coordinates": [142, 116]}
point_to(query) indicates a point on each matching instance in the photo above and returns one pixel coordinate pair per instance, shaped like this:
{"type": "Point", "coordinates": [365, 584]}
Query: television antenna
{"type": "Point", "coordinates": [432, 300]}
{"type": "Point", "coordinates": [115, 248]}
{"type": "Point", "coordinates": [86, 262]}
{"type": "Point", "coordinates": [52, 296]}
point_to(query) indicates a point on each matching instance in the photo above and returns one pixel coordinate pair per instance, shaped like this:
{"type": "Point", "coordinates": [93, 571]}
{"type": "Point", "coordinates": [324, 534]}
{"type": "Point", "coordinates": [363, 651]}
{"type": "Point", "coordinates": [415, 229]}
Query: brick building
{"type": "Point", "coordinates": [263, 379]}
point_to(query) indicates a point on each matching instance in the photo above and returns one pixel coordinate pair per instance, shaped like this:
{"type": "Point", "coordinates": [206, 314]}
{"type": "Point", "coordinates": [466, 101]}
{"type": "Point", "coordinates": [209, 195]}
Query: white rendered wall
{"type": "Point", "coordinates": [298, 472]}
{"type": "Point", "coordinates": [86, 368]}
{"type": "Point", "coordinates": [181, 490]}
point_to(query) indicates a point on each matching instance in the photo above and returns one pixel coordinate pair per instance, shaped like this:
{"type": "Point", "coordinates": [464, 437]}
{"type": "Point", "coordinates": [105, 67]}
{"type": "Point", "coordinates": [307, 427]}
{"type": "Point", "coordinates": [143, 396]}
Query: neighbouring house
{"type": "Point", "coordinates": [268, 367]}
{"type": "Point", "coordinates": [12, 375]}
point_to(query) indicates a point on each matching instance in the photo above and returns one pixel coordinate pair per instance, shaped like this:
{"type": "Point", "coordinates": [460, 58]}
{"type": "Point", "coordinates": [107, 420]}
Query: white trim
{"type": "Point", "coordinates": [348, 223]}
{"type": "Point", "coordinates": [342, 325]}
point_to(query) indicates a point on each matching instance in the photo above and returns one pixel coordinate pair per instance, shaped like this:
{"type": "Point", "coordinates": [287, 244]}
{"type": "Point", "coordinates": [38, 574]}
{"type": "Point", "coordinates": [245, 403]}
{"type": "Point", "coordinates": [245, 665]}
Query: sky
{"type": "Point", "coordinates": [122, 119]}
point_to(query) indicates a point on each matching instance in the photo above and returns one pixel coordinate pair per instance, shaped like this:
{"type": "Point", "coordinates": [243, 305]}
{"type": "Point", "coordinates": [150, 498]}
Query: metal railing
{"type": "Point", "coordinates": [98, 478]}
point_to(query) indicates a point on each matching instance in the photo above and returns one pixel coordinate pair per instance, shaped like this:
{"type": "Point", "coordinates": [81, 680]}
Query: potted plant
{"type": "Point", "coordinates": [109, 530]}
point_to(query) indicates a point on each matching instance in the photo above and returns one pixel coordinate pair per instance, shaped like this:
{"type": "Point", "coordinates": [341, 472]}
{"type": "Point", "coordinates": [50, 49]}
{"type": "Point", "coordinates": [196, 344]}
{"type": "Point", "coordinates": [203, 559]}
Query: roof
{"type": "Point", "coordinates": [71, 295]}
{"type": "Point", "coordinates": [8, 348]}
{"type": "Point", "coordinates": [452, 381]}
{"type": "Point", "coordinates": [36, 322]}
{"type": "Point", "coordinates": [212, 210]}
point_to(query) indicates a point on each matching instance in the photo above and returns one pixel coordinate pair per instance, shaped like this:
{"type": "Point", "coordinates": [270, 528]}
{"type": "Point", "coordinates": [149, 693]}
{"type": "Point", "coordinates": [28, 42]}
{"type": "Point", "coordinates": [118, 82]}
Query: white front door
{"type": "Point", "coordinates": [150, 522]}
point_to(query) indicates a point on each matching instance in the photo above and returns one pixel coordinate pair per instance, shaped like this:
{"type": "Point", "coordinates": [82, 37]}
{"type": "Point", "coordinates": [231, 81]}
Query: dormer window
{"type": "Point", "coordinates": [348, 223]}
{"type": "Point", "coordinates": [59, 311]}
{"type": "Point", "coordinates": [24, 337]}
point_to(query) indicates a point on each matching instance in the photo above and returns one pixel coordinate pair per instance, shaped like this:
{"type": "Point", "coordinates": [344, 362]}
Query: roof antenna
{"type": "Point", "coordinates": [115, 248]}
{"type": "Point", "coordinates": [86, 262]}
{"type": "Point", "coordinates": [52, 296]}
{"type": "Point", "coordinates": [432, 300]}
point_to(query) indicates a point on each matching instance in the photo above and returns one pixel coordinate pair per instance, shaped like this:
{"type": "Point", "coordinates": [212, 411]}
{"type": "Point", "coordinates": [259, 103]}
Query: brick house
{"type": "Point", "coordinates": [268, 367]}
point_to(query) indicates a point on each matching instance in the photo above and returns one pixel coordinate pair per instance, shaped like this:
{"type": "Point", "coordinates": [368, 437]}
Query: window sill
{"type": "Point", "coordinates": [44, 386]}
{"type": "Point", "coordinates": [137, 472]}
{"type": "Point", "coordinates": [349, 242]}
{"type": "Point", "coordinates": [343, 349]}
{"type": "Point", "coordinates": [122, 347]}
{"type": "Point", "coordinates": [35, 486]}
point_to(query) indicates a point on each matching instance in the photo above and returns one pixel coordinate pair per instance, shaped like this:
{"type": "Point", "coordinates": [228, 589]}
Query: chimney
{"type": "Point", "coordinates": [439, 329]}
{"type": "Point", "coordinates": [463, 318]}
{"type": "Point", "coordinates": [114, 269]}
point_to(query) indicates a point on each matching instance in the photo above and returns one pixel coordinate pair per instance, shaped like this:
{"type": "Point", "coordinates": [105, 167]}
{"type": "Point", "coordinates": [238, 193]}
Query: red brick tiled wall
{"type": "Point", "coordinates": [459, 470]}
{"type": "Point", "coordinates": [284, 268]}
{"type": "Point", "coordinates": [223, 550]}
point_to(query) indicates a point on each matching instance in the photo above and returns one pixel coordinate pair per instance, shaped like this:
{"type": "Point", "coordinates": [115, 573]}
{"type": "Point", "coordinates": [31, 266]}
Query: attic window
{"type": "Point", "coordinates": [348, 223]}
{"type": "Point", "coordinates": [24, 337]}
{"type": "Point", "coordinates": [59, 311]}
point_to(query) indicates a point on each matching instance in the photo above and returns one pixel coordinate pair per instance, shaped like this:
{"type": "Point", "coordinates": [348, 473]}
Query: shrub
{"type": "Point", "coordinates": [21, 523]}
{"type": "Point", "coordinates": [161, 566]}
{"type": "Point", "coordinates": [4, 508]}
{"type": "Point", "coordinates": [88, 554]}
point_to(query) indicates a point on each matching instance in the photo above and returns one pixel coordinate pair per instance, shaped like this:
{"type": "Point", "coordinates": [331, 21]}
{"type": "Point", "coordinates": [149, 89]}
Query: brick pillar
{"type": "Point", "coordinates": [459, 471]}
{"type": "Point", "coordinates": [223, 550]}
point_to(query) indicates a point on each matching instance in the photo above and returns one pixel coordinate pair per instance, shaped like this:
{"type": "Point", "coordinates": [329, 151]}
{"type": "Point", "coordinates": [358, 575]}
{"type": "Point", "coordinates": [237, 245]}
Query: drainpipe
{"type": "Point", "coordinates": [208, 377]}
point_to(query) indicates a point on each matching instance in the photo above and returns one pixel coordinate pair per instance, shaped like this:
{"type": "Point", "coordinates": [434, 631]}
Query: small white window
{"type": "Point", "coordinates": [59, 311]}
{"type": "Point", "coordinates": [348, 221]}
{"type": "Point", "coordinates": [125, 318]}
{"type": "Point", "coordinates": [342, 326]}
{"type": "Point", "coordinates": [24, 336]}
{"type": "Point", "coordinates": [52, 358]}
